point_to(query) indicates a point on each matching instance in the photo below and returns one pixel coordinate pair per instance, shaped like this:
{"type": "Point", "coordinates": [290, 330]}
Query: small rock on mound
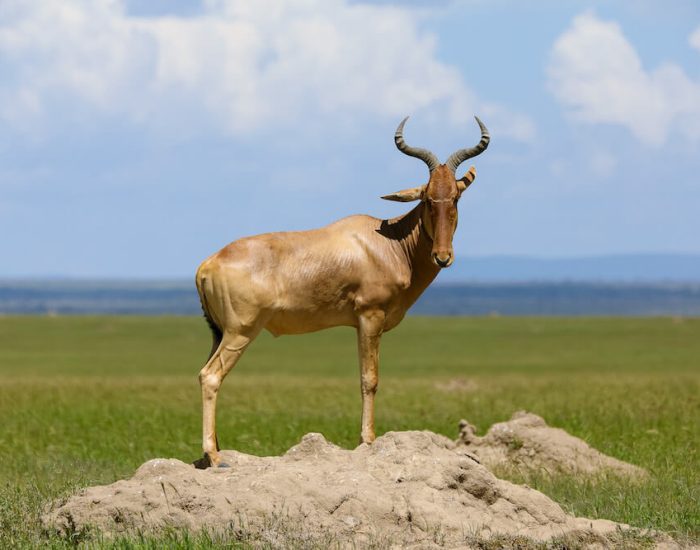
{"type": "Point", "coordinates": [526, 441]}
{"type": "Point", "coordinates": [406, 488]}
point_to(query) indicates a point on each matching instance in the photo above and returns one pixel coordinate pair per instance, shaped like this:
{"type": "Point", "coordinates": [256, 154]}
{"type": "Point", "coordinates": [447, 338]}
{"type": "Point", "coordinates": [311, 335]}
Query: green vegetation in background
{"type": "Point", "coordinates": [86, 400]}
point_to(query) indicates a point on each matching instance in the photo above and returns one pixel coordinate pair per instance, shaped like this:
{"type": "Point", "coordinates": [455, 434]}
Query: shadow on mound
{"type": "Point", "coordinates": [406, 488]}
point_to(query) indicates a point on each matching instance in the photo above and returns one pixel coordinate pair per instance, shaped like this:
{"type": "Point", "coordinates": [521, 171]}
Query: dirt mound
{"type": "Point", "coordinates": [527, 442]}
{"type": "Point", "coordinates": [406, 488]}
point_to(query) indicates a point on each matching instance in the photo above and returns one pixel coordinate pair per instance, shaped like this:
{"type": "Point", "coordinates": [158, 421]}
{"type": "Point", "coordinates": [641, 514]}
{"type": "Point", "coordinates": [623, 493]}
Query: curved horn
{"type": "Point", "coordinates": [458, 157]}
{"type": "Point", "coordinates": [423, 154]}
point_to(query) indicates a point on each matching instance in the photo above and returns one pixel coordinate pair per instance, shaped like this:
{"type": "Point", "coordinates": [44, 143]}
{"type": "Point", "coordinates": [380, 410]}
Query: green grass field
{"type": "Point", "coordinates": [86, 400]}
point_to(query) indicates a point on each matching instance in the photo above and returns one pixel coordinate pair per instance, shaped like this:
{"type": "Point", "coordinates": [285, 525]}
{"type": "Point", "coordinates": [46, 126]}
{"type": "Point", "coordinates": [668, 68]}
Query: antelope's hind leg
{"type": "Point", "coordinates": [224, 358]}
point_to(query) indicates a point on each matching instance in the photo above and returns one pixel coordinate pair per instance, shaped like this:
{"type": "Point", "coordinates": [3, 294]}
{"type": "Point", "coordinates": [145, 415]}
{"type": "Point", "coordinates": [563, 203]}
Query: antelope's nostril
{"type": "Point", "coordinates": [443, 262]}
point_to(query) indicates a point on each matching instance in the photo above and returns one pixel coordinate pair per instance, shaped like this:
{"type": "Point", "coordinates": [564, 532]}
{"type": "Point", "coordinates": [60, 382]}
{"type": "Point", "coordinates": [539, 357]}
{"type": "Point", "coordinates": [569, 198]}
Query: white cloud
{"type": "Point", "coordinates": [243, 65]}
{"type": "Point", "coordinates": [694, 39]}
{"type": "Point", "coordinates": [597, 74]}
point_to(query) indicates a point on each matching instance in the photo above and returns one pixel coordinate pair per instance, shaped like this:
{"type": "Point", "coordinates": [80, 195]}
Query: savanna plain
{"type": "Point", "coordinates": [86, 400]}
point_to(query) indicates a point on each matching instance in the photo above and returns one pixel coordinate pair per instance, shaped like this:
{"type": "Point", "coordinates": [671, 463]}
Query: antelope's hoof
{"type": "Point", "coordinates": [202, 463]}
{"type": "Point", "coordinates": [207, 462]}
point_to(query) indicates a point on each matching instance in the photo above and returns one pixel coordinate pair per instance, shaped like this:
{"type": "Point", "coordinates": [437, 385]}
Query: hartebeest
{"type": "Point", "coordinates": [360, 271]}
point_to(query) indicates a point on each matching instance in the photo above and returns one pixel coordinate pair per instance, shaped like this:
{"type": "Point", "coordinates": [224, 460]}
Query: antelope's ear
{"type": "Point", "coordinates": [407, 195]}
{"type": "Point", "coordinates": [467, 179]}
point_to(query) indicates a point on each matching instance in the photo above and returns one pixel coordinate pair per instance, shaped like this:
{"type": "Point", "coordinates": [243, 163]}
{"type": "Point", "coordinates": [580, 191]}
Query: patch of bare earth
{"type": "Point", "coordinates": [457, 385]}
{"type": "Point", "coordinates": [406, 489]}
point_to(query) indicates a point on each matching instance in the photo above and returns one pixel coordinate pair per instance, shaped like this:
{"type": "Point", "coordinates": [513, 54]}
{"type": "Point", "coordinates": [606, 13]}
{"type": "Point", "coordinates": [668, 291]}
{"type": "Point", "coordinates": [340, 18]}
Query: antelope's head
{"type": "Point", "coordinates": [441, 193]}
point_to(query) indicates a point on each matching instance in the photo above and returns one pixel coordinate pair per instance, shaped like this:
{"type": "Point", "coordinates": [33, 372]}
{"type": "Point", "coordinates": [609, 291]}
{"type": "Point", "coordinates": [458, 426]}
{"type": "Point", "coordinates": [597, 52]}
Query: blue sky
{"type": "Point", "coordinates": [137, 138]}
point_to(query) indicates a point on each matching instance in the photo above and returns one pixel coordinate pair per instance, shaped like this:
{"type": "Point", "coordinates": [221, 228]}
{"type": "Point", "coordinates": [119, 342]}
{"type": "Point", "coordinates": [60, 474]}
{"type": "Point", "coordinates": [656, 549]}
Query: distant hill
{"type": "Point", "coordinates": [641, 284]}
{"type": "Point", "coordinates": [627, 268]}
{"type": "Point", "coordinates": [561, 299]}
{"type": "Point", "coordinates": [539, 298]}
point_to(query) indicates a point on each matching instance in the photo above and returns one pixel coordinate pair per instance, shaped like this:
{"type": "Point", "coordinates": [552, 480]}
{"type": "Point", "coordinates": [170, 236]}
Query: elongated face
{"type": "Point", "coordinates": [440, 218]}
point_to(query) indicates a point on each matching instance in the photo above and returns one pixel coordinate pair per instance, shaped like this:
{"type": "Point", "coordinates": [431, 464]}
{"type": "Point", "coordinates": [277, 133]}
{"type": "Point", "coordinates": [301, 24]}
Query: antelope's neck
{"type": "Point", "coordinates": [413, 242]}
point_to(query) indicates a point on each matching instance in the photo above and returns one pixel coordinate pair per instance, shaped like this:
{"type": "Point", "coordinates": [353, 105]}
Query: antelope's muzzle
{"type": "Point", "coordinates": [443, 259]}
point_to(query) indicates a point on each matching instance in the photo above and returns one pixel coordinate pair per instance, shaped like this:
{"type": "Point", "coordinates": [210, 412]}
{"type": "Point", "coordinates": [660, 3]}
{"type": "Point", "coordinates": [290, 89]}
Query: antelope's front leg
{"type": "Point", "coordinates": [369, 332]}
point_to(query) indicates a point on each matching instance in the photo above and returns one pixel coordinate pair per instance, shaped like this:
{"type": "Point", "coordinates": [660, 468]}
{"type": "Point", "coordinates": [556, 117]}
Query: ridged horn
{"type": "Point", "coordinates": [458, 157]}
{"type": "Point", "coordinates": [422, 154]}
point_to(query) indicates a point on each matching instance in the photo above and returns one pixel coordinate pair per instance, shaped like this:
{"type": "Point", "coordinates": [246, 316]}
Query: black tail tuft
{"type": "Point", "coordinates": [216, 331]}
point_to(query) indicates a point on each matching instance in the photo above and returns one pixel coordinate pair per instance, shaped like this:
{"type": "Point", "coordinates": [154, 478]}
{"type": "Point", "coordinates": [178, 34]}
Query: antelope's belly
{"type": "Point", "coordinates": [303, 321]}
